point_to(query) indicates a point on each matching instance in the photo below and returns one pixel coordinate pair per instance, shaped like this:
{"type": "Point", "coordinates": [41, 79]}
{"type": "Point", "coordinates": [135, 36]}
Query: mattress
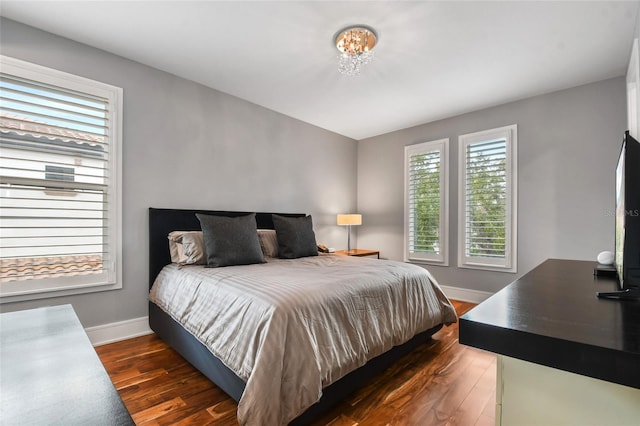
{"type": "Point", "coordinates": [289, 328]}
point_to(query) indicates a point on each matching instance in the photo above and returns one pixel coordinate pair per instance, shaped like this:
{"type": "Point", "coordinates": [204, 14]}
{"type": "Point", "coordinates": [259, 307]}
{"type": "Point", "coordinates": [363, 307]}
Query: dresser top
{"type": "Point", "coordinates": [551, 316]}
{"type": "Point", "coordinates": [50, 373]}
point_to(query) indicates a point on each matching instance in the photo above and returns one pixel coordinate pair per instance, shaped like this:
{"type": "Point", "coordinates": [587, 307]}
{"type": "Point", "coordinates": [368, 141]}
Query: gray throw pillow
{"type": "Point", "coordinates": [230, 240]}
{"type": "Point", "coordinates": [295, 236]}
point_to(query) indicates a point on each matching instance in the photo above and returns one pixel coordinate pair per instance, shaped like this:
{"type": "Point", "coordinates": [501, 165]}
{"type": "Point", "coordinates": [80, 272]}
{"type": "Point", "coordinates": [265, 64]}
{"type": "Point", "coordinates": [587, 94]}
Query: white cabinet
{"type": "Point", "coordinates": [532, 394]}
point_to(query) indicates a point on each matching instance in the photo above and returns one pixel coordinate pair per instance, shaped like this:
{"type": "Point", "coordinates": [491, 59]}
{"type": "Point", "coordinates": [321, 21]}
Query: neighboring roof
{"type": "Point", "coordinates": [27, 268]}
{"type": "Point", "coordinates": [21, 132]}
{"type": "Point", "coordinates": [22, 126]}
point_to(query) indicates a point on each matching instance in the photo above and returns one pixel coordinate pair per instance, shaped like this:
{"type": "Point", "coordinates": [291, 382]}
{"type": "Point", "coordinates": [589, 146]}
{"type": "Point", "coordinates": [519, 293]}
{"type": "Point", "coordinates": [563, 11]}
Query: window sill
{"type": "Point", "coordinates": [426, 262]}
{"type": "Point", "coordinates": [11, 297]}
{"type": "Point", "coordinates": [493, 268]}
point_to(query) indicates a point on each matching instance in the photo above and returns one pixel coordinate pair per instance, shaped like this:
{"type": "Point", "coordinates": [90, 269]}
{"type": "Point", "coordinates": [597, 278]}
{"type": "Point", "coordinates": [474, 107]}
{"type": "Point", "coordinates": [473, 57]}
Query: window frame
{"type": "Point", "coordinates": [509, 264]}
{"type": "Point", "coordinates": [23, 290]}
{"type": "Point", "coordinates": [441, 145]}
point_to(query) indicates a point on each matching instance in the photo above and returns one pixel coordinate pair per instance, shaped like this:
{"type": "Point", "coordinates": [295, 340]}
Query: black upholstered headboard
{"type": "Point", "coordinates": [163, 221]}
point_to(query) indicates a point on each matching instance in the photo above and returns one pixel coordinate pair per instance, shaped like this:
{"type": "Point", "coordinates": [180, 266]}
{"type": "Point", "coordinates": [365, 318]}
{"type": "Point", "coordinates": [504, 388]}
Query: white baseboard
{"type": "Point", "coordinates": [465, 294]}
{"type": "Point", "coordinates": [116, 331]}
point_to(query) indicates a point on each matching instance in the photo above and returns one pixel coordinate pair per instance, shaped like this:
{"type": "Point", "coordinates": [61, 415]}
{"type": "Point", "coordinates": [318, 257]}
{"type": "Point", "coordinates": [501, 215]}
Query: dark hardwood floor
{"type": "Point", "coordinates": [439, 383]}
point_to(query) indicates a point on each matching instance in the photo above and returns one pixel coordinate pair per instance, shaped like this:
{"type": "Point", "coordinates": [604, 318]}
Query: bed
{"type": "Point", "coordinates": [295, 389]}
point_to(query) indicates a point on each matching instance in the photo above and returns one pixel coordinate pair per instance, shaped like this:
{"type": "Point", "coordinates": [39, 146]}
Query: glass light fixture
{"type": "Point", "coordinates": [349, 220]}
{"type": "Point", "coordinates": [356, 48]}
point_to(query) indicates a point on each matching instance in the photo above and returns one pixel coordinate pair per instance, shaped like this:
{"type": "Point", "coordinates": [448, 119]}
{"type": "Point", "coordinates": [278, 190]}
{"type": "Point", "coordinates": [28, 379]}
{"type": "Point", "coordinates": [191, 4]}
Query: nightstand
{"type": "Point", "coordinates": [358, 253]}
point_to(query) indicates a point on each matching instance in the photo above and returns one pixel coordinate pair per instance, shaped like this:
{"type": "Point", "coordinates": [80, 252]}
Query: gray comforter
{"type": "Point", "coordinates": [289, 328]}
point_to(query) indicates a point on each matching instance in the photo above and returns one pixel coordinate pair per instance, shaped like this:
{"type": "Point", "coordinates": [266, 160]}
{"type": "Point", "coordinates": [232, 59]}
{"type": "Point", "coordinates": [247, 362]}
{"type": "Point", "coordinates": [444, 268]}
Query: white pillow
{"type": "Point", "coordinates": [187, 248]}
{"type": "Point", "coordinates": [268, 242]}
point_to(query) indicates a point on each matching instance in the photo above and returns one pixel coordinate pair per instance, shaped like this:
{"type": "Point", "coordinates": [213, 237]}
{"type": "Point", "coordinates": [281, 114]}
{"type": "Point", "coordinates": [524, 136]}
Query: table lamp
{"type": "Point", "coordinates": [348, 220]}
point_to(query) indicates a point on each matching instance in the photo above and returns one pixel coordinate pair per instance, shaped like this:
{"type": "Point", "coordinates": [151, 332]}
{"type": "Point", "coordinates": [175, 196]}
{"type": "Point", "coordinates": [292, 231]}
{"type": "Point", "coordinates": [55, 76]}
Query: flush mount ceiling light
{"type": "Point", "coordinates": [355, 45]}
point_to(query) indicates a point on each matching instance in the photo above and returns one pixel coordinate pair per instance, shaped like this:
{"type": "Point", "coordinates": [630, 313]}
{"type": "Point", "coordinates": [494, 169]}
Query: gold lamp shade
{"type": "Point", "coordinates": [348, 220]}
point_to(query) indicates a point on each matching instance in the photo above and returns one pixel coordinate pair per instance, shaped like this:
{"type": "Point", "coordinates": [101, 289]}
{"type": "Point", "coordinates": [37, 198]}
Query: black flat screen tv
{"type": "Point", "coordinates": [627, 219]}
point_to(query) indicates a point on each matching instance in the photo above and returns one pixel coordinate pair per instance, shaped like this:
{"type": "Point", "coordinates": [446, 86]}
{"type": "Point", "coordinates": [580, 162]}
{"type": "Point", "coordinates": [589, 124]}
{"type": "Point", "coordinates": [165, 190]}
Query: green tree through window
{"type": "Point", "coordinates": [425, 186]}
{"type": "Point", "coordinates": [426, 197]}
{"type": "Point", "coordinates": [487, 203]}
{"type": "Point", "coordinates": [486, 189]}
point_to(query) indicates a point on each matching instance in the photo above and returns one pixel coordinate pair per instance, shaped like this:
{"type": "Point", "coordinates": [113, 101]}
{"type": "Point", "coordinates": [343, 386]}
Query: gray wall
{"type": "Point", "coordinates": [188, 146]}
{"type": "Point", "coordinates": [636, 33]}
{"type": "Point", "coordinates": [568, 143]}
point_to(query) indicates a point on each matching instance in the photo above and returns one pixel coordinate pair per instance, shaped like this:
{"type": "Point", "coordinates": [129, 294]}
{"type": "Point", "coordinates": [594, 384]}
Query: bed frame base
{"type": "Point", "coordinates": [195, 352]}
{"type": "Point", "coordinates": [201, 358]}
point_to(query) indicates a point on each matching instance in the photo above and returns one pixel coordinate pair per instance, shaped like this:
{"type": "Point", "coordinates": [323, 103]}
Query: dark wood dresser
{"type": "Point", "coordinates": [564, 356]}
{"type": "Point", "coordinates": [50, 373]}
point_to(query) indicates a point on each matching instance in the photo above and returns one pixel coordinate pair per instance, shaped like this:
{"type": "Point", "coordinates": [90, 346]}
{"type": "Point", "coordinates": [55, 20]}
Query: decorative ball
{"type": "Point", "coordinates": [606, 258]}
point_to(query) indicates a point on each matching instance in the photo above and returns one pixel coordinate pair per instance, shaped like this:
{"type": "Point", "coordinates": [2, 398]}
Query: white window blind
{"type": "Point", "coordinates": [426, 202]}
{"type": "Point", "coordinates": [59, 181]}
{"type": "Point", "coordinates": [487, 199]}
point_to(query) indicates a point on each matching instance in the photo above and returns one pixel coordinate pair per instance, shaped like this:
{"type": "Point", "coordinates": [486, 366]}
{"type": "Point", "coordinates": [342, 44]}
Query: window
{"type": "Point", "coordinates": [487, 221]}
{"type": "Point", "coordinates": [426, 192]}
{"type": "Point", "coordinates": [59, 183]}
{"type": "Point", "coordinates": [59, 173]}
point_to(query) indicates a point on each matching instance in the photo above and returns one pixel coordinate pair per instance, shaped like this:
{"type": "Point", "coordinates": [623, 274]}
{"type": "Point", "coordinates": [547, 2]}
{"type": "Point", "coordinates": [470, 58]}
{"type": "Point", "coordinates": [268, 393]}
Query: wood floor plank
{"type": "Point", "coordinates": [156, 411]}
{"type": "Point", "coordinates": [198, 418]}
{"type": "Point", "coordinates": [471, 408]}
{"type": "Point", "coordinates": [343, 420]}
{"type": "Point", "coordinates": [485, 421]}
{"type": "Point", "coordinates": [224, 412]}
{"type": "Point", "coordinates": [193, 410]}
{"type": "Point", "coordinates": [489, 409]}
{"type": "Point", "coordinates": [441, 382]}
{"type": "Point", "coordinates": [138, 396]}
{"type": "Point", "coordinates": [135, 377]}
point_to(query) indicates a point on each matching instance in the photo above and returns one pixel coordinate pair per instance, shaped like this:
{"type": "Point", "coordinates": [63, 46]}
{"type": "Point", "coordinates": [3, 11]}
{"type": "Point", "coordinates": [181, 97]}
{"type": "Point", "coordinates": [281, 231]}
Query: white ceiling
{"type": "Point", "coordinates": [433, 60]}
